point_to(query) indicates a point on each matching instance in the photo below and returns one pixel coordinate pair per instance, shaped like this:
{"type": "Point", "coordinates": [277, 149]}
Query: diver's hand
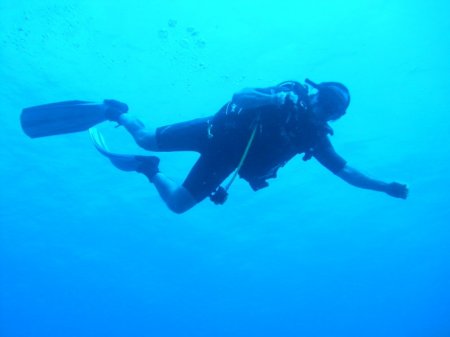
{"type": "Point", "coordinates": [287, 98]}
{"type": "Point", "coordinates": [397, 190]}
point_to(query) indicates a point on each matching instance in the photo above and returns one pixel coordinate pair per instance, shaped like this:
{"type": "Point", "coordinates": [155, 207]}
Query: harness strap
{"type": "Point", "coordinates": [221, 194]}
{"type": "Point", "coordinates": [244, 156]}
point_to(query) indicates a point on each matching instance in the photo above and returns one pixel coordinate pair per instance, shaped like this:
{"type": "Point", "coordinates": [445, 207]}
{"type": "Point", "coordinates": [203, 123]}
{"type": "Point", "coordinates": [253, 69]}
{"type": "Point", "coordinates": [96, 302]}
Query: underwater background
{"type": "Point", "coordinates": [88, 250]}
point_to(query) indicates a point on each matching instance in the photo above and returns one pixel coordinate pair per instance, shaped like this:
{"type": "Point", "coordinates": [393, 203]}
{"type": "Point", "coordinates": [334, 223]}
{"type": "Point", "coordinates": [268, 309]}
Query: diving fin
{"type": "Point", "coordinates": [61, 118]}
{"type": "Point", "coordinates": [143, 164]}
{"type": "Point", "coordinates": [122, 162]}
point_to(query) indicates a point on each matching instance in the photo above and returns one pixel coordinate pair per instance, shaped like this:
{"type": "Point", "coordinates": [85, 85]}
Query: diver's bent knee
{"type": "Point", "coordinates": [146, 139]}
{"type": "Point", "coordinates": [178, 208]}
{"type": "Point", "coordinates": [181, 201]}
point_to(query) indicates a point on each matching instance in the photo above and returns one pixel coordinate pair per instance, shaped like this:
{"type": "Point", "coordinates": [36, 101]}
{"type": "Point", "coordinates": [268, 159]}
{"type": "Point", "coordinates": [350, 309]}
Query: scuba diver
{"type": "Point", "coordinates": [252, 136]}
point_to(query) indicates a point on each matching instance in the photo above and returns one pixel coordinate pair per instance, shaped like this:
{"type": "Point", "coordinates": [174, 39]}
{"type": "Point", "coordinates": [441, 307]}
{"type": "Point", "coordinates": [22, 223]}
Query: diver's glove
{"type": "Point", "coordinates": [287, 98]}
{"type": "Point", "coordinates": [397, 190]}
{"type": "Point", "coordinates": [114, 109]}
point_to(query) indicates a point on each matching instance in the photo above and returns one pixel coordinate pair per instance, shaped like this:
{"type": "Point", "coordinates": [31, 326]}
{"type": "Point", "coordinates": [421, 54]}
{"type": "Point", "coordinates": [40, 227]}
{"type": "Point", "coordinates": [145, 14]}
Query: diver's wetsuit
{"type": "Point", "coordinates": [282, 133]}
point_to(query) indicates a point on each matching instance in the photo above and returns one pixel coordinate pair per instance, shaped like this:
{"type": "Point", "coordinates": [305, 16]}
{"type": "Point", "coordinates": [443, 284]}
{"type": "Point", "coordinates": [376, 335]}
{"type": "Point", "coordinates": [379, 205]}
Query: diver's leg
{"type": "Point", "coordinates": [185, 136]}
{"type": "Point", "coordinates": [117, 112]}
{"type": "Point", "coordinates": [177, 198]}
{"type": "Point", "coordinates": [203, 179]}
{"type": "Point", "coordinates": [144, 137]}
{"type": "Point", "coordinates": [192, 135]}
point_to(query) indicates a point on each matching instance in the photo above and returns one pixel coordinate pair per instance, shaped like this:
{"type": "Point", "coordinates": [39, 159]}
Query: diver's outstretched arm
{"type": "Point", "coordinates": [356, 178]}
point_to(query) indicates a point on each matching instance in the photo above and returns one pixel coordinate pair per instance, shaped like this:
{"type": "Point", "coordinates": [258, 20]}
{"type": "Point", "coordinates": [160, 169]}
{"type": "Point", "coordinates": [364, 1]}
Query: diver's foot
{"type": "Point", "coordinates": [114, 109]}
{"type": "Point", "coordinates": [147, 165]}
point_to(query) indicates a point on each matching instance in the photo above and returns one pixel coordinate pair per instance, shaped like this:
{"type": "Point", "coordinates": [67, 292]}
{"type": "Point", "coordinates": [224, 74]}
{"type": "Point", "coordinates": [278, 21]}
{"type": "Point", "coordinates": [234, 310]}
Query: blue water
{"type": "Point", "coordinates": [87, 250]}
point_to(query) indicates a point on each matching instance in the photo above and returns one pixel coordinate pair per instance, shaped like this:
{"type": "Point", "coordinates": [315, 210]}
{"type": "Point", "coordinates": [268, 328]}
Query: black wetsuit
{"type": "Point", "coordinates": [282, 133]}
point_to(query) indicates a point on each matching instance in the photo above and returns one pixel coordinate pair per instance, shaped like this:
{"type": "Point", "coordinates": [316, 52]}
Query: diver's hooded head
{"type": "Point", "coordinates": [331, 100]}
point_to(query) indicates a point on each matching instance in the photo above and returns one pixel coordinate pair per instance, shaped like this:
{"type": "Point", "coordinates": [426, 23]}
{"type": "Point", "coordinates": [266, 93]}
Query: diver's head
{"type": "Point", "coordinates": [330, 101]}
